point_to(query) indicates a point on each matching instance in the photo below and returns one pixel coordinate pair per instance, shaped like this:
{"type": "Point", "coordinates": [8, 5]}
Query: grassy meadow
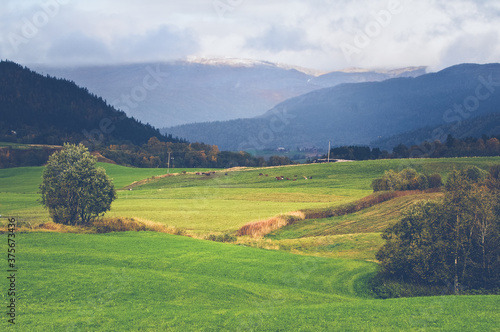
{"type": "Point", "coordinates": [315, 278]}
{"type": "Point", "coordinates": [223, 203]}
{"type": "Point", "coordinates": [151, 282]}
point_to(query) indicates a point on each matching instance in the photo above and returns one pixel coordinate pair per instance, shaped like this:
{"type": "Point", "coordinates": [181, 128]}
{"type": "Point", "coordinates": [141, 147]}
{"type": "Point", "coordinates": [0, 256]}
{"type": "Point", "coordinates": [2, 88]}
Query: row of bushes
{"type": "Point", "coordinates": [25, 157]}
{"type": "Point", "coordinates": [105, 225]}
{"type": "Point", "coordinates": [407, 179]}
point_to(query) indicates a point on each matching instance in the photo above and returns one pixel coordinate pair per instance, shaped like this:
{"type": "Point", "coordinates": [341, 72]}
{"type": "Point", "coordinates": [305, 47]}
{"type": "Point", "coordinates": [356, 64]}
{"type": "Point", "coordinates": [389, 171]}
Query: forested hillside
{"type": "Point", "coordinates": [461, 128]}
{"type": "Point", "coordinates": [45, 110]}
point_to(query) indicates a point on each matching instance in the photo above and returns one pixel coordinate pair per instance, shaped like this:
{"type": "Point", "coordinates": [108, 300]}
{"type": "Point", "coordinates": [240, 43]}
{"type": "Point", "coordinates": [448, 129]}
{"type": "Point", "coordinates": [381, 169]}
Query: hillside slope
{"type": "Point", "coordinates": [488, 125]}
{"type": "Point", "coordinates": [360, 113]}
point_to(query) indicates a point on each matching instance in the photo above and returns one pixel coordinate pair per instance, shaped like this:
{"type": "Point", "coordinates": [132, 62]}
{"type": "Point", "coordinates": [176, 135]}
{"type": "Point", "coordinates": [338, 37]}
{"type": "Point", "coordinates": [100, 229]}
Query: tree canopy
{"type": "Point", "coordinates": [407, 179]}
{"type": "Point", "coordinates": [454, 241]}
{"type": "Point", "coordinates": [73, 189]}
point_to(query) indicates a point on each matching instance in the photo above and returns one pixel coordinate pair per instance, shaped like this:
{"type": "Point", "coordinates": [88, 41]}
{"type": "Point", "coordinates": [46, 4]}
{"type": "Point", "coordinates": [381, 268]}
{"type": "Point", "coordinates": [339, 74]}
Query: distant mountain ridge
{"type": "Point", "coordinates": [207, 89]}
{"type": "Point", "coordinates": [239, 62]}
{"type": "Point", "coordinates": [353, 114]}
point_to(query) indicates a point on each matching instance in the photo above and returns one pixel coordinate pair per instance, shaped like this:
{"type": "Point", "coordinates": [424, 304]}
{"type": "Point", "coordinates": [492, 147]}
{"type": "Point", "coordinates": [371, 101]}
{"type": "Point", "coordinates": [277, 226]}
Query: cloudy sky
{"type": "Point", "coordinates": [320, 34]}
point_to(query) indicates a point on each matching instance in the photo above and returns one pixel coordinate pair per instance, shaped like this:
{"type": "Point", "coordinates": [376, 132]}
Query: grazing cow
{"type": "Point", "coordinates": [226, 174]}
{"type": "Point", "coordinates": [310, 178]}
{"type": "Point", "coordinates": [261, 174]}
{"type": "Point", "coordinates": [278, 178]}
{"type": "Point", "coordinates": [267, 174]}
{"type": "Point", "coordinates": [305, 177]}
{"type": "Point", "coordinates": [198, 173]}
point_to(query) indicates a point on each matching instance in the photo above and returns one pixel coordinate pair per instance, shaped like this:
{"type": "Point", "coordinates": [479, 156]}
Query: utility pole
{"type": "Point", "coordinates": [168, 171]}
{"type": "Point", "coordinates": [329, 144]}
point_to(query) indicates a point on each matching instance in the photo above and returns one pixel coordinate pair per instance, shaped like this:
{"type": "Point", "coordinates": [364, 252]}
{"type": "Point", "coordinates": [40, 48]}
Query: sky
{"type": "Point", "coordinates": [318, 34]}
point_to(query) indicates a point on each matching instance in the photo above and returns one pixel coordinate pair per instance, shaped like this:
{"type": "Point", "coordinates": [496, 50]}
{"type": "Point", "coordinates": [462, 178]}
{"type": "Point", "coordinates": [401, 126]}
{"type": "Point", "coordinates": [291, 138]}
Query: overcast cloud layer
{"type": "Point", "coordinates": [320, 34]}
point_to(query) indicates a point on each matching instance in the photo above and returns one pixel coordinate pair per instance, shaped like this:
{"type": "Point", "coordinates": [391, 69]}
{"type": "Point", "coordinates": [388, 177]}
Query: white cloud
{"type": "Point", "coordinates": [278, 38]}
{"type": "Point", "coordinates": [437, 33]}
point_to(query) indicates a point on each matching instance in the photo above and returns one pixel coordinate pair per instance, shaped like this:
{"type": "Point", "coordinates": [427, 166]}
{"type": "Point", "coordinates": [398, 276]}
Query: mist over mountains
{"type": "Point", "coordinates": [202, 90]}
{"type": "Point", "coordinates": [361, 113]}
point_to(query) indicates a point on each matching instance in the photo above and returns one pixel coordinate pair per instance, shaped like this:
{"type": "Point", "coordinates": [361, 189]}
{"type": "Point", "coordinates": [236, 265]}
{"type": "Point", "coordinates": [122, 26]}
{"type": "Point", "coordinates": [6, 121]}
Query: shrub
{"type": "Point", "coordinates": [222, 238]}
{"type": "Point", "coordinates": [180, 232]}
{"type": "Point", "coordinates": [407, 179]}
{"type": "Point", "coordinates": [118, 225]}
{"type": "Point", "coordinates": [435, 180]}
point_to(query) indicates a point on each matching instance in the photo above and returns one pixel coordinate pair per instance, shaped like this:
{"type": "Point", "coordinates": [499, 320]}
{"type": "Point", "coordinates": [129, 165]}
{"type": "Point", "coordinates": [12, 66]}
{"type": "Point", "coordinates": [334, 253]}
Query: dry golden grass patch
{"type": "Point", "coordinates": [260, 228]}
{"type": "Point", "coordinates": [104, 225]}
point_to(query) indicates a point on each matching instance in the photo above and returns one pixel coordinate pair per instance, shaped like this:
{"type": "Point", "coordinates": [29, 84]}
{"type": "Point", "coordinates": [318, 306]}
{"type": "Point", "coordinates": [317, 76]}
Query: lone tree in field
{"type": "Point", "coordinates": [73, 189]}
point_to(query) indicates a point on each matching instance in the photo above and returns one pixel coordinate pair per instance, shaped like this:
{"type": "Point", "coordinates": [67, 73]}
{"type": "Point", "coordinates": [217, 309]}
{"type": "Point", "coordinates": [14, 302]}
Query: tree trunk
{"type": "Point", "coordinates": [457, 235]}
{"type": "Point", "coordinates": [484, 258]}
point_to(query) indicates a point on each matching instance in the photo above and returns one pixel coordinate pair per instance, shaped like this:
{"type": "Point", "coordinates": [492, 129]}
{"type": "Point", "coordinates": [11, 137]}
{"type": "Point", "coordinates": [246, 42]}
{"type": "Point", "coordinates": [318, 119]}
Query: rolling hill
{"type": "Point", "coordinates": [200, 90]}
{"type": "Point", "coordinates": [150, 281]}
{"type": "Point", "coordinates": [360, 113]}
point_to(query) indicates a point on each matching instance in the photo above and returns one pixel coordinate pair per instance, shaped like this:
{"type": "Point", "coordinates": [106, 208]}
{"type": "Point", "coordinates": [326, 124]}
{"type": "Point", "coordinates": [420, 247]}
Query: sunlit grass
{"type": "Point", "coordinates": [153, 281]}
{"type": "Point", "coordinates": [220, 202]}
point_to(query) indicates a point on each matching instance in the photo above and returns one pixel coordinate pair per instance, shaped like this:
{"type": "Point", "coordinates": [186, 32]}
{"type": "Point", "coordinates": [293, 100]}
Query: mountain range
{"type": "Point", "coordinates": [361, 107]}
{"type": "Point", "coordinates": [360, 113]}
{"type": "Point", "coordinates": [203, 89]}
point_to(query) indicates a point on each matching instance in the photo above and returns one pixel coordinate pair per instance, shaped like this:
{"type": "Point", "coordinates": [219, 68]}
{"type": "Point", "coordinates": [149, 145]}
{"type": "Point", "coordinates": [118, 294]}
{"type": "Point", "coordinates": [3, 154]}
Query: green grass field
{"type": "Point", "coordinates": [354, 235]}
{"type": "Point", "coordinates": [152, 282]}
{"type": "Point", "coordinates": [317, 280]}
{"type": "Point", "coordinates": [220, 203]}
